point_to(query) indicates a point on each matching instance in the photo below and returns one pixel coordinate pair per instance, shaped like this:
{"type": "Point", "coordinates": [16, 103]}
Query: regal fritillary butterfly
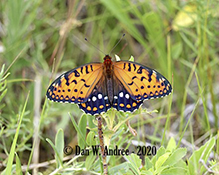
{"type": "Point", "coordinates": [96, 87]}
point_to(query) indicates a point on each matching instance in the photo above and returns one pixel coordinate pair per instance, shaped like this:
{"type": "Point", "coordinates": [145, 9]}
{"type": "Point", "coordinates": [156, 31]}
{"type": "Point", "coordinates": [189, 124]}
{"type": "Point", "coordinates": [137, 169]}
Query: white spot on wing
{"type": "Point", "coordinates": [94, 98]}
{"type": "Point", "coordinates": [154, 72]}
{"type": "Point", "coordinates": [121, 94]}
{"type": "Point", "coordinates": [127, 96]}
{"type": "Point", "coordinates": [100, 96]}
{"type": "Point", "coordinates": [115, 97]}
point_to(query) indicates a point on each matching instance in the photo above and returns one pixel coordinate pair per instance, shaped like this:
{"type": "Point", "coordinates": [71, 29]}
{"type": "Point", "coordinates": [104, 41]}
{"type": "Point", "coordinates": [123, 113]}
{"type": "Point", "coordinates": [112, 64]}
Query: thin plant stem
{"type": "Point", "coordinates": [100, 134]}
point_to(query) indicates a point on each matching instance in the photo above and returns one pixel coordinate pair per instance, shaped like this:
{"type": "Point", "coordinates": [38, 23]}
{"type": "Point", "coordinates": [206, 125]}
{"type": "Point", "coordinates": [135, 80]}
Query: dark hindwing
{"type": "Point", "coordinates": [98, 101]}
{"type": "Point", "coordinates": [122, 100]}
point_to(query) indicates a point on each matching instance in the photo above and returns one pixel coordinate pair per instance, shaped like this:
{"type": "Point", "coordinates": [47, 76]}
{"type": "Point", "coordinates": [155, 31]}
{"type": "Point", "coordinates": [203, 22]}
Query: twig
{"type": "Point", "coordinates": [100, 134]}
{"type": "Point", "coordinates": [36, 139]}
{"type": "Point", "coordinates": [43, 164]}
{"type": "Point", "coordinates": [133, 131]}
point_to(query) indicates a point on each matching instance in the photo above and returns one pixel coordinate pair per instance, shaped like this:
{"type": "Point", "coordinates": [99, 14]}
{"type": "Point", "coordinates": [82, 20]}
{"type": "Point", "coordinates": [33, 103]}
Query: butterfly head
{"type": "Point", "coordinates": [107, 57]}
{"type": "Point", "coordinates": [107, 60]}
{"type": "Point", "coordinates": [108, 65]}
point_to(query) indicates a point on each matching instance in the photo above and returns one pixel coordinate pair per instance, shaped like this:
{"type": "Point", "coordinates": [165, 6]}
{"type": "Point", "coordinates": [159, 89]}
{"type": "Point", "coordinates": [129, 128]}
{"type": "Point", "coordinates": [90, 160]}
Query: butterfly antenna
{"type": "Point", "coordinates": [117, 43]}
{"type": "Point", "coordinates": [94, 46]}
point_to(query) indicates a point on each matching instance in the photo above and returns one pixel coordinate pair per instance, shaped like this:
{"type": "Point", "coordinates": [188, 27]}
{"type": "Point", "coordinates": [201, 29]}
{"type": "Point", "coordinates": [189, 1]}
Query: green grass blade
{"type": "Point", "coordinates": [117, 9]}
{"type": "Point", "coordinates": [18, 165]}
{"type": "Point", "coordinates": [13, 147]}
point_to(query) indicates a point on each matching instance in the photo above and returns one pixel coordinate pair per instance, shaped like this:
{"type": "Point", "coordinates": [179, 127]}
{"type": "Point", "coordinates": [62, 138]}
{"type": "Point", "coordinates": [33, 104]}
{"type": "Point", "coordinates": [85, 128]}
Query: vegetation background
{"type": "Point", "coordinates": [39, 40]}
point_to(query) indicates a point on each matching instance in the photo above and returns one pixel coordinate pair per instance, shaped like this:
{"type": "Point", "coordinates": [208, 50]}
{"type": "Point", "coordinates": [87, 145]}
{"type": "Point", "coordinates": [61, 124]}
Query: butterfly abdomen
{"type": "Point", "coordinates": [109, 86]}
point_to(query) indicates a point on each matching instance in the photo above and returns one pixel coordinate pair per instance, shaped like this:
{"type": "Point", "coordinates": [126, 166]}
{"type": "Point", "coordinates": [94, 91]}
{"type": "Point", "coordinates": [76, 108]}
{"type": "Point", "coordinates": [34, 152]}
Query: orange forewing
{"type": "Point", "coordinates": [75, 85]}
{"type": "Point", "coordinates": [141, 82]}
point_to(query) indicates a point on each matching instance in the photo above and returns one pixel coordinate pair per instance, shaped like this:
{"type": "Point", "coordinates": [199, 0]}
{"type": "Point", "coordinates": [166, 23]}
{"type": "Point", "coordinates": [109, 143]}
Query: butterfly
{"type": "Point", "coordinates": [97, 87]}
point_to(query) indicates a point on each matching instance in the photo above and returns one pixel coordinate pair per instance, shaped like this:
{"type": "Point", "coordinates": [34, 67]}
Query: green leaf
{"type": "Point", "coordinates": [57, 157]}
{"type": "Point", "coordinates": [160, 152]}
{"type": "Point", "coordinates": [82, 126]}
{"type": "Point", "coordinates": [120, 169]}
{"type": "Point", "coordinates": [171, 145]}
{"type": "Point", "coordinates": [146, 172]}
{"type": "Point", "coordinates": [80, 134]}
{"type": "Point", "coordinates": [148, 163]}
{"type": "Point", "coordinates": [3, 94]}
{"type": "Point", "coordinates": [194, 166]}
{"type": "Point", "coordinates": [181, 164]}
{"type": "Point", "coordinates": [176, 156]}
{"type": "Point", "coordinates": [18, 166]}
{"type": "Point", "coordinates": [59, 144]}
{"type": "Point", "coordinates": [89, 160]}
{"type": "Point", "coordinates": [135, 162]}
{"type": "Point", "coordinates": [161, 169]}
{"type": "Point", "coordinates": [161, 160]}
{"type": "Point", "coordinates": [174, 171]}
{"type": "Point", "coordinates": [91, 138]}
{"type": "Point", "coordinates": [176, 50]}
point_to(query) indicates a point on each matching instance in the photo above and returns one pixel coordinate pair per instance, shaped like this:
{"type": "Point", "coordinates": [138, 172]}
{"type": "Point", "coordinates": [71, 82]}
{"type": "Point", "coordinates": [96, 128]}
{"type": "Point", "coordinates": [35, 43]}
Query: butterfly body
{"type": "Point", "coordinates": [108, 74]}
{"type": "Point", "coordinates": [96, 87]}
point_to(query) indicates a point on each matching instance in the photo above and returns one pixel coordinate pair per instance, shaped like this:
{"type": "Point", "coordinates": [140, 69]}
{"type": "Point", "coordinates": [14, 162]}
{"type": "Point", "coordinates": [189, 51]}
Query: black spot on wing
{"type": "Point", "coordinates": [150, 74]}
{"type": "Point", "coordinates": [124, 65]}
{"type": "Point", "coordinates": [74, 81]}
{"type": "Point", "coordinates": [134, 66]}
{"type": "Point", "coordinates": [77, 74]}
{"type": "Point", "coordinates": [134, 77]}
{"type": "Point", "coordinates": [87, 86]}
{"type": "Point", "coordinates": [131, 83]}
{"type": "Point", "coordinates": [82, 69]}
{"type": "Point", "coordinates": [139, 71]}
{"type": "Point", "coordinates": [59, 81]}
{"type": "Point", "coordinates": [67, 79]}
{"type": "Point", "coordinates": [86, 68]}
{"type": "Point", "coordinates": [129, 65]}
{"type": "Point", "coordinates": [142, 78]}
{"type": "Point", "coordinates": [91, 67]}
